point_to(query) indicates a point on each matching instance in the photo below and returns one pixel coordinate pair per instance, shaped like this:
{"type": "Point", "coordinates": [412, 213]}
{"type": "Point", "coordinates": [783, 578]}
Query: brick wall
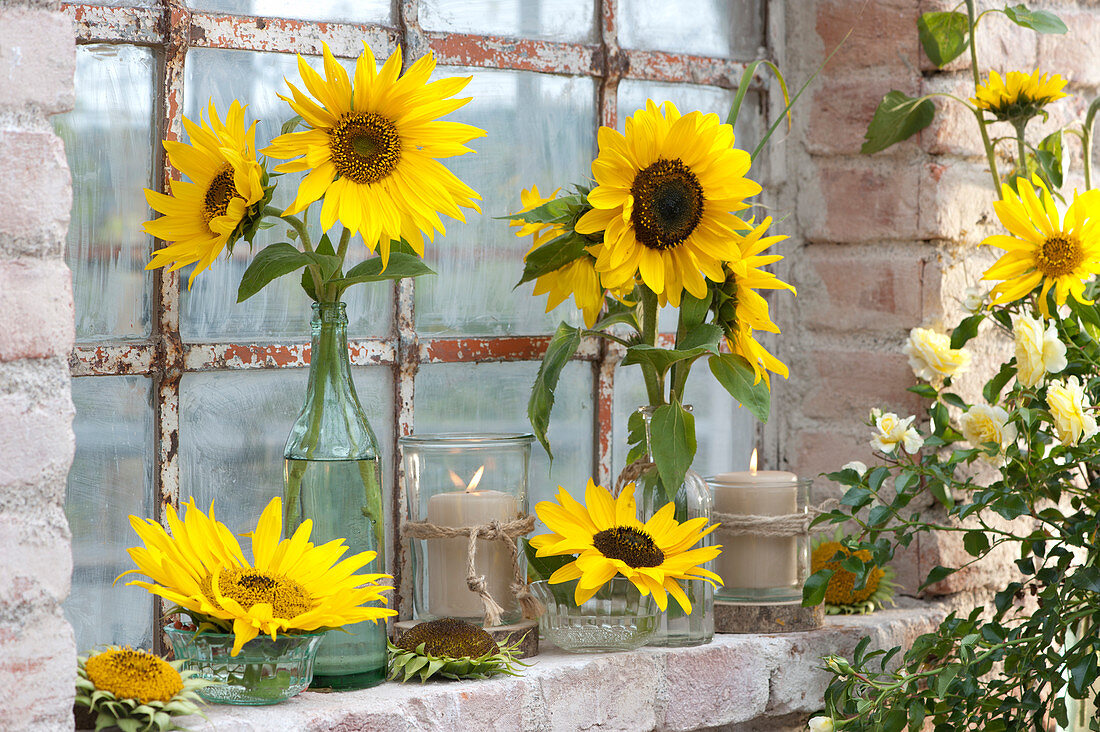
{"type": "Point", "coordinates": [37, 653]}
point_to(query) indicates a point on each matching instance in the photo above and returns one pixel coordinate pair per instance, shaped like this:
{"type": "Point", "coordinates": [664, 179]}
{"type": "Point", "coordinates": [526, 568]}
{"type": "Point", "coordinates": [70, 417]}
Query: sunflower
{"type": "Point", "coordinates": [371, 149]}
{"type": "Point", "coordinates": [664, 196]}
{"type": "Point", "coordinates": [126, 688]}
{"type": "Point", "coordinates": [740, 310]}
{"type": "Point", "coordinates": [453, 649]}
{"type": "Point", "coordinates": [1042, 250]}
{"type": "Point", "coordinates": [1018, 96]}
{"type": "Point", "coordinates": [222, 201]}
{"type": "Point", "coordinates": [608, 540]}
{"type": "Point", "coordinates": [841, 597]}
{"type": "Point", "coordinates": [292, 585]}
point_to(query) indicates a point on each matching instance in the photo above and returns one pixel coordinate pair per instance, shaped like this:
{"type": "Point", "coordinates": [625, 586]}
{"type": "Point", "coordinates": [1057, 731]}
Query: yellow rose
{"type": "Point", "coordinates": [1068, 405]}
{"type": "Point", "coordinates": [1038, 350]}
{"type": "Point", "coordinates": [891, 431]}
{"type": "Point", "coordinates": [984, 424]}
{"type": "Point", "coordinates": [931, 355]}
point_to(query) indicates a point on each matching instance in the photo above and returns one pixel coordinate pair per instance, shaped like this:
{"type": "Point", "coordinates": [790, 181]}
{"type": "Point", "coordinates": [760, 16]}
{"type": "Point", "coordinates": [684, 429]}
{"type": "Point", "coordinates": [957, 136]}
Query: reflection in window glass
{"type": "Point", "coordinates": [492, 397]}
{"type": "Point", "coordinates": [724, 430]}
{"type": "Point", "coordinates": [556, 20]}
{"type": "Point", "coordinates": [723, 28]}
{"type": "Point", "coordinates": [541, 130]}
{"type": "Point", "coordinates": [281, 310]}
{"type": "Point", "coordinates": [110, 479]}
{"type": "Point", "coordinates": [109, 144]}
{"type": "Point", "coordinates": [350, 11]}
{"type": "Point", "coordinates": [233, 428]}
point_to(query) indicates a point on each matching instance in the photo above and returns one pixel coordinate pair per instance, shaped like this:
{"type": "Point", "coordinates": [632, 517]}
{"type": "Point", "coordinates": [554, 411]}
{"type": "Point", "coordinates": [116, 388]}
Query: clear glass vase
{"type": "Point", "coordinates": [265, 671]}
{"type": "Point", "coordinates": [333, 477]}
{"type": "Point", "coordinates": [693, 500]}
{"type": "Point", "coordinates": [616, 618]}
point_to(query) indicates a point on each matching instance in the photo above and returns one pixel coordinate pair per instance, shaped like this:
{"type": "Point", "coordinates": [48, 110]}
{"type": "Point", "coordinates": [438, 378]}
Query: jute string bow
{"type": "Point", "coordinates": [506, 533]}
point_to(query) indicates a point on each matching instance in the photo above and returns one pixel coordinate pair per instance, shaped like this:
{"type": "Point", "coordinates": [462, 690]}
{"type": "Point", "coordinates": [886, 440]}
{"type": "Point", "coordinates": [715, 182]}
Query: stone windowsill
{"type": "Point", "coordinates": [766, 682]}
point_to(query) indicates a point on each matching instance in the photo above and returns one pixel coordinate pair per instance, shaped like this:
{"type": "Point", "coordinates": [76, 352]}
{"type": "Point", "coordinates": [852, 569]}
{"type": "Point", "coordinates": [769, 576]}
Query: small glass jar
{"type": "Point", "coordinates": [755, 567]}
{"type": "Point", "coordinates": [459, 480]}
{"type": "Point", "coordinates": [617, 618]}
{"type": "Point", "coordinates": [264, 672]}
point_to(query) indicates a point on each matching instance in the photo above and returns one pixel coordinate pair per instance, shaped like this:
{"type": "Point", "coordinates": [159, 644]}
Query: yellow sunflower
{"type": "Point", "coordinates": [608, 540]}
{"type": "Point", "coordinates": [1043, 249]}
{"type": "Point", "coordinates": [221, 202]}
{"type": "Point", "coordinates": [664, 196]}
{"type": "Point", "coordinates": [371, 149]}
{"type": "Point", "coordinates": [1019, 95]}
{"type": "Point", "coordinates": [291, 585]}
{"type": "Point", "coordinates": [539, 231]}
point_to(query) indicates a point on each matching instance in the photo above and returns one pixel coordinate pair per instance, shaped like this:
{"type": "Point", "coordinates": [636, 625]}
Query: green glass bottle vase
{"type": "Point", "coordinates": [333, 476]}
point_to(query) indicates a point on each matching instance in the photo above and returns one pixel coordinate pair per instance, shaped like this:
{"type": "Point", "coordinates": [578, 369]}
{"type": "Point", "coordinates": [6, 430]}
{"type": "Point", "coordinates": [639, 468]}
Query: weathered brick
{"type": "Point", "coordinates": [883, 34]}
{"type": "Point", "coordinates": [813, 451]}
{"type": "Point", "coordinates": [37, 668]}
{"type": "Point", "coordinates": [36, 437]}
{"type": "Point", "coordinates": [36, 297]}
{"type": "Point", "coordinates": [845, 385]}
{"type": "Point", "coordinates": [850, 292]}
{"type": "Point", "coordinates": [38, 51]}
{"type": "Point", "coordinates": [861, 200]}
{"type": "Point", "coordinates": [956, 199]}
{"type": "Point", "coordinates": [954, 130]}
{"type": "Point", "coordinates": [37, 560]}
{"type": "Point", "coordinates": [843, 107]}
{"type": "Point", "coordinates": [1074, 55]}
{"type": "Point", "coordinates": [35, 192]}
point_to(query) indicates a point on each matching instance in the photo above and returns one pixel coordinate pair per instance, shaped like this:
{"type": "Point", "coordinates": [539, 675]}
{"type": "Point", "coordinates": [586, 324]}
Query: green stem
{"type": "Point", "coordinates": [680, 369]}
{"type": "Point", "coordinates": [989, 153]}
{"type": "Point", "coordinates": [1086, 140]}
{"type": "Point", "coordinates": [653, 386]}
{"type": "Point", "coordinates": [303, 234]}
{"type": "Point", "coordinates": [331, 295]}
{"type": "Point", "coordinates": [1021, 148]}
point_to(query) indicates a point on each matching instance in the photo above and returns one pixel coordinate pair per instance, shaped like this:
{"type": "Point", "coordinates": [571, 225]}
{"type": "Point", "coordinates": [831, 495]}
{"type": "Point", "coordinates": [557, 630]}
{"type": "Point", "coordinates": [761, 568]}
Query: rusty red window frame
{"type": "Point", "coordinates": [174, 28]}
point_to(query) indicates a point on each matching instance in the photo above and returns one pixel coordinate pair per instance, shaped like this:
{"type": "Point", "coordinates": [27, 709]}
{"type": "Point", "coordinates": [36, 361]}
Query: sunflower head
{"type": "Point", "coordinates": [453, 649]}
{"type": "Point", "coordinates": [223, 199]}
{"type": "Point", "coordinates": [1018, 96]}
{"type": "Point", "coordinates": [128, 688]}
{"type": "Point", "coordinates": [448, 637]}
{"type": "Point", "coordinates": [841, 596]}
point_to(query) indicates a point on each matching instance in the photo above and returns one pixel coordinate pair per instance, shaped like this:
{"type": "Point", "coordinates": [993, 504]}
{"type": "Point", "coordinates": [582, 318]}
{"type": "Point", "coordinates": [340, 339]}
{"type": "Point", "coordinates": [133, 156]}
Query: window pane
{"type": "Point", "coordinates": [109, 144]}
{"type": "Point", "coordinates": [724, 430]}
{"type": "Point", "coordinates": [541, 130]}
{"type": "Point", "coordinates": [233, 427]}
{"type": "Point", "coordinates": [724, 28]}
{"type": "Point", "coordinates": [111, 478]}
{"type": "Point", "coordinates": [281, 310]}
{"type": "Point", "coordinates": [557, 20]}
{"type": "Point", "coordinates": [492, 397]}
{"type": "Point", "coordinates": [352, 11]}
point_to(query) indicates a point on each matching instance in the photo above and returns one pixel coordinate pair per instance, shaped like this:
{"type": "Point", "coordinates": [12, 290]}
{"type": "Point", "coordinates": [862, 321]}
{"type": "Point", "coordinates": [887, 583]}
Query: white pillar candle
{"type": "Point", "coordinates": [749, 561]}
{"type": "Point", "coordinates": [448, 594]}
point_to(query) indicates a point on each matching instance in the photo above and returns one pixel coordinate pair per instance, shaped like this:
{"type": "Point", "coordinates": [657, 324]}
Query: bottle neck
{"type": "Point", "coordinates": [329, 347]}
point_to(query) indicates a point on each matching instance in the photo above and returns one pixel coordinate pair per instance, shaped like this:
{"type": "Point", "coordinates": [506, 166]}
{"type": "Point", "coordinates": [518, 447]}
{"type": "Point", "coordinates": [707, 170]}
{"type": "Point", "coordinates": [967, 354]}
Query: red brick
{"type": "Point", "coordinates": [814, 452]}
{"type": "Point", "coordinates": [883, 34]}
{"type": "Point", "coordinates": [35, 192]}
{"type": "Point", "coordinates": [862, 200]}
{"type": "Point", "coordinates": [845, 385]}
{"type": "Point", "coordinates": [37, 668]}
{"type": "Point", "coordinates": [956, 199]}
{"type": "Point", "coordinates": [954, 130]}
{"type": "Point", "coordinates": [38, 57]}
{"type": "Point", "coordinates": [843, 107]}
{"type": "Point", "coordinates": [36, 437]}
{"type": "Point", "coordinates": [36, 297]}
{"type": "Point", "coordinates": [844, 292]}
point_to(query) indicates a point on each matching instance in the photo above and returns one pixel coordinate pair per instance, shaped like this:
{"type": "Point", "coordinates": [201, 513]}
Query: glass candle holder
{"type": "Point", "coordinates": [769, 563]}
{"type": "Point", "coordinates": [458, 480]}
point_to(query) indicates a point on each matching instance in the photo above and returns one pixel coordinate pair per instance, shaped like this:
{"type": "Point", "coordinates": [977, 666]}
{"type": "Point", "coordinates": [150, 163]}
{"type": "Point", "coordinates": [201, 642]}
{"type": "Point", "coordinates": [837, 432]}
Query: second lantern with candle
{"type": "Point", "coordinates": [465, 481]}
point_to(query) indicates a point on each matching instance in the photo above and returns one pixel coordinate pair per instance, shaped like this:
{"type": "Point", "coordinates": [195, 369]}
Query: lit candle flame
{"type": "Point", "coordinates": [476, 479]}
{"type": "Point", "coordinates": [752, 461]}
{"type": "Point", "coordinates": [458, 482]}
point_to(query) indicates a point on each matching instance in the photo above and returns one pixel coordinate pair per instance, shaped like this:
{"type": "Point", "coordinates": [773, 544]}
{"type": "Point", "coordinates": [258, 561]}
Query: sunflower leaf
{"type": "Point", "coordinates": [1049, 158]}
{"type": "Point", "coordinates": [897, 118]}
{"type": "Point", "coordinates": [693, 310]}
{"type": "Point", "coordinates": [943, 36]}
{"type": "Point", "coordinates": [401, 265]}
{"type": "Point", "coordinates": [563, 345]}
{"type": "Point", "coordinates": [663, 358]}
{"type": "Point", "coordinates": [737, 376]}
{"type": "Point", "coordinates": [542, 567]}
{"type": "Point", "coordinates": [673, 445]}
{"type": "Point", "coordinates": [324, 247]}
{"type": "Point", "coordinates": [1040, 21]}
{"type": "Point", "coordinates": [558, 211]}
{"type": "Point", "coordinates": [553, 255]}
{"type": "Point", "coordinates": [270, 262]}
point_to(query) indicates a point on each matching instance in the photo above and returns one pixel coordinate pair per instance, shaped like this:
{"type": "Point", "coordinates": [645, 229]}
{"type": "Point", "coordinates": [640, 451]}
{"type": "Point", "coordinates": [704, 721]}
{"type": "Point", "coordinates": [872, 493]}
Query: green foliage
{"type": "Point", "coordinates": [898, 117]}
{"type": "Point", "coordinates": [674, 451]}
{"type": "Point", "coordinates": [562, 346]}
{"type": "Point", "coordinates": [943, 36]}
{"type": "Point", "coordinates": [737, 377]}
{"type": "Point", "coordinates": [553, 255]}
{"type": "Point", "coordinates": [1040, 21]}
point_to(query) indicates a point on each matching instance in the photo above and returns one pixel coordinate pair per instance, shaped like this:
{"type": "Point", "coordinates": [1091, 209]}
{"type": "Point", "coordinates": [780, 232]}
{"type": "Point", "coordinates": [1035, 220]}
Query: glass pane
{"type": "Point", "coordinates": [109, 144]}
{"type": "Point", "coordinates": [492, 397]}
{"type": "Point", "coordinates": [281, 310]}
{"type": "Point", "coordinates": [541, 130]}
{"type": "Point", "coordinates": [557, 20]}
{"type": "Point", "coordinates": [724, 28]}
{"type": "Point", "coordinates": [111, 478]}
{"type": "Point", "coordinates": [351, 11]}
{"type": "Point", "coordinates": [234, 425]}
{"type": "Point", "coordinates": [724, 430]}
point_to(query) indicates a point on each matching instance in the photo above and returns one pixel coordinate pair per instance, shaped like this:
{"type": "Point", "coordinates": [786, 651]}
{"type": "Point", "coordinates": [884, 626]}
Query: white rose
{"type": "Point", "coordinates": [931, 355]}
{"type": "Point", "coordinates": [1068, 406]}
{"type": "Point", "coordinates": [856, 465]}
{"type": "Point", "coordinates": [984, 423]}
{"type": "Point", "coordinates": [973, 299]}
{"type": "Point", "coordinates": [891, 431]}
{"type": "Point", "coordinates": [1038, 350]}
{"type": "Point", "coordinates": [821, 724]}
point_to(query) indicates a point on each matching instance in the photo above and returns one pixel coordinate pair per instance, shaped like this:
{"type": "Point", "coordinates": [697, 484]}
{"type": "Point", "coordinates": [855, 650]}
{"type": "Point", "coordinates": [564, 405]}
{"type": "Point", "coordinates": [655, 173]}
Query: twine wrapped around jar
{"type": "Point", "coordinates": [506, 533]}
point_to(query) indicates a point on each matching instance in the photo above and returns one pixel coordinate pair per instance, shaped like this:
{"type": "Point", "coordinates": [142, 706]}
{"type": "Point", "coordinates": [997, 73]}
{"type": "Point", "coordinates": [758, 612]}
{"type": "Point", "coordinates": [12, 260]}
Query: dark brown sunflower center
{"type": "Point", "coordinates": [215, 202]}
{"type": "Point", "coordinates": [287, 598]}
{"type": "Point", "coordinates": [1059, 255]}
{"type": "Point", "coordinates": [631, 545]}
{"type": "Point", "coordinates": [668, 204]}
{"type": "Point", "coordinates": [365, 148]}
